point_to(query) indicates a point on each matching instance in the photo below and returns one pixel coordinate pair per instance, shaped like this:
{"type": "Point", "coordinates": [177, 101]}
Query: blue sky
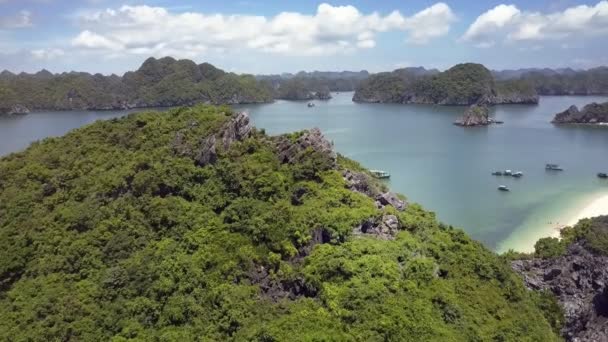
{"type": "Point", "coordinates": [255, 36]}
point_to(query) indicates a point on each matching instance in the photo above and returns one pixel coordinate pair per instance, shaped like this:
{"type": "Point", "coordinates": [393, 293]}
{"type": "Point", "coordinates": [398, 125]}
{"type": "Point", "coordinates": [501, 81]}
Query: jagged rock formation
{"type": "Point", "coordinates": [237, 128]}
{"type": "Point", "coordinates": [15, 110]}
{"type": "Point", "coordinates": [594, 113]}
{"type": "Point", "coordinates": [385, 227]}
{"type": "Point", "coordinates": [293, 151]}
{"type": "Point", "coordinates": [391, 198]}
{"type": "Point", "coordinates": [475, 116]}
{"type": "Point", "coordinates": [361, 182]}
{"type": "Point", "coordinates": [579, 280]}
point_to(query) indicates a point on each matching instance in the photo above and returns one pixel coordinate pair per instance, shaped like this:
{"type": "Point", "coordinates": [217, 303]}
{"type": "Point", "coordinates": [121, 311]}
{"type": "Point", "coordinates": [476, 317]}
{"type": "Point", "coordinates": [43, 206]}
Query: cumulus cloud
{"type": "Point", "coordinates": [507, 22]}
{"type": "Point", "coordinates": [331, 30]}
{"type": "Point", "coordinates": [22, 19]}
{"type": "Point", "coordinates": [430, 23]}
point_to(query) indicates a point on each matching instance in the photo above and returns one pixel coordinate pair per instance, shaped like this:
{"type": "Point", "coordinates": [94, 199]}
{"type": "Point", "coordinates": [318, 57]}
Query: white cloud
{"type": "Point", "coordinates": [430, 23]}
{"type": "Point", "coordinates": [22, 19]}
{"type": "Point", "coordinates": [509, 23]}
{"type": "Point", "coordinates": [47, 54]}
{"type": "Point", "coordinates": [332, 29]}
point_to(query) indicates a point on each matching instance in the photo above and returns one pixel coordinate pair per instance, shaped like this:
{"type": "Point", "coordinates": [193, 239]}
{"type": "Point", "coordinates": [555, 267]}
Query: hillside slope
{"type": "Point", "coordinates": [193, 225]}
{"type": "Point", "coordinates": [157, 83]}
{"type": "Point", "coordinates": [464, 85]}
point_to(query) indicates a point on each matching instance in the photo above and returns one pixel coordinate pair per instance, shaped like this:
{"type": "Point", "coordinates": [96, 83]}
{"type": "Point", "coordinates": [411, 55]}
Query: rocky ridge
{"type": "Point", "coordinates": [579, 280]}
{"type": "Point", "coordinates": [594, 113]}
{"type": "Point", "coordinates": [475, 116]}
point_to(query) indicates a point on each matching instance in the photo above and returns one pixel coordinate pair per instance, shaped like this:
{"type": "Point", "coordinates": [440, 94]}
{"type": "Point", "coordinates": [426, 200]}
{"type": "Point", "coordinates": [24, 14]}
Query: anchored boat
{"type": "Point", "coordinates": [602, 175]}
{"type": "Point", "coordinates": [553, 167]}
{"type": "Point", "coordinates": [518, 174]}
{"type": "Point", "coordinates": [503, 188]}
{"type": "Point", "coordinates": [380, 174]}
{"type": "Point", "coordinates": [310, 104]}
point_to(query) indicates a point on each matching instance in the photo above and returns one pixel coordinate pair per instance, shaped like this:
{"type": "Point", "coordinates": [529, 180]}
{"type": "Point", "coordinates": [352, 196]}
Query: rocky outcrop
{"type": "Point", "coordinates": [15, 110]}
{"type": "Point", "coordinates": [594, 113]}
{"type": "Point", "coordinates": [205, 151]}
{"type": "Point", "coordinates": [476, 115]}
{"type": "Point", "coordinates": [513, 98]}
{"type": "Point", "coordinates": [360, 182]}
{"type": "Point", "coordinates": [391, 198]}
{"type": "Point", "coordinates": [237, 129]}
{"type": "Point", "coordinates": [385, 228]}
{"type": "Point", "coordinates": [579, 280]}
{"type": "Point", "coordinates": [292, 152]}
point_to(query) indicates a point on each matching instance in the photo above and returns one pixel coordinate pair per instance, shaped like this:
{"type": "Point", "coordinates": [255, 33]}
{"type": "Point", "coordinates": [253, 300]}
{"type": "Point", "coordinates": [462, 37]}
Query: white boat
{"type": "Point", "coordinates": [380, 174]}
{"type": "Point", "coordinates": [503, 188]}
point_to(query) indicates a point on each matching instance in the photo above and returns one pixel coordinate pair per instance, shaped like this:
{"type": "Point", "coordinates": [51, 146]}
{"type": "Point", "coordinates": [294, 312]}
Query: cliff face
{"type": "Point", "coordinates": [475, 116]}
{"type": "Point", "coordinates": [578, 277]}
{"type": "Point", "coordinates": [594, 113]}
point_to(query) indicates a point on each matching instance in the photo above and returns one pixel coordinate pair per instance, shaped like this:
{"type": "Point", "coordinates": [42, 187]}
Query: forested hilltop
{"type": "Point", "coordinates": [313, 85]}
{"type": "Point", "coordinates": [193, 225]}
{"type": "Point", "coordinates": [562, 81]}
{"type": "Point", "coordinates": [158, 82]}
{"type": "Point", "coordinates": [463, 84]}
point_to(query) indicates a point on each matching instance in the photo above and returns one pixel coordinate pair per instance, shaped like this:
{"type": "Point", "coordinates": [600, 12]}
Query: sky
{"type": "Point", "coordinates": [272, 36]}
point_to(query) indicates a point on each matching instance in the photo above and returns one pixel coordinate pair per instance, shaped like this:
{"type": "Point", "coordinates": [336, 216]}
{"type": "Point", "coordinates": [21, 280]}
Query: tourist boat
{"type": "Point", "coordinates": [508, 173]}
{"type": "Point", "coordinates": [553, 167]}
{"type": "Point", "coordinates": [380, 174]}
{"type": "Point", "coordinates": [310, 104]}
{"type": "Point", "coordinates": [602, 175]}
{"type": "Point", "coordinates": [497, 173]}
{"type": "Point", "coordinates": [503, 188]}
{"type": "Point", "coordinates": [518, 174]}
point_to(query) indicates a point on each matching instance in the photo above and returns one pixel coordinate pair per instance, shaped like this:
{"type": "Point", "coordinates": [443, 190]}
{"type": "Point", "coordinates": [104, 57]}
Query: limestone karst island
{"type": "Point", "coordinates": [303, 171]}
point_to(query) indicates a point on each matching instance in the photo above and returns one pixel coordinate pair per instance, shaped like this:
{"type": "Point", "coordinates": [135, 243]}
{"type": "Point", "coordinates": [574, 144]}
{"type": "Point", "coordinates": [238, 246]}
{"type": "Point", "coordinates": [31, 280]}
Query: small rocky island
{"type": "Point", "coordinates": [594, 114]}
{"type": "Point", "coordinates": [474, 116]}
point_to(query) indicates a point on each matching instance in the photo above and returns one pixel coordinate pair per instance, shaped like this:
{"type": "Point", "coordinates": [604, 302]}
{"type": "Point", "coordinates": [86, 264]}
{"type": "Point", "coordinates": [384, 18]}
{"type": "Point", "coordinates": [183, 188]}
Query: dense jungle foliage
{"type": "Point", "coordinates": [463, 84]}
{"type": "Point", "coordinates": [569, 82]}
{"type": "Point", "coordinates": [110, 234]}
{"type": "Point", "coordinates": [158, 82]}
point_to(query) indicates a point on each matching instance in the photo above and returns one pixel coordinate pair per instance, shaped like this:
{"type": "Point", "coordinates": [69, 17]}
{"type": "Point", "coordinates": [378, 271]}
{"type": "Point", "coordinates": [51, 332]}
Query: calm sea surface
{"type": "Point", "coordinates": [444, 167]}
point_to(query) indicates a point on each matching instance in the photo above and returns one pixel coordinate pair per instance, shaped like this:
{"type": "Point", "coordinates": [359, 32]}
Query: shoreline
{"type": "Point", "coordinates": [549, 221]}
{"type": "Point", "coordinates": [598, 206]}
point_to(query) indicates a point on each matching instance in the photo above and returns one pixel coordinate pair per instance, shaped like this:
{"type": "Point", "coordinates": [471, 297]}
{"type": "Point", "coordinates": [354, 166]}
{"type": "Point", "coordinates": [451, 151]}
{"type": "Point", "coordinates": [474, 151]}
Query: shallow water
{"type": "Point", "coordinates": [444, 167]}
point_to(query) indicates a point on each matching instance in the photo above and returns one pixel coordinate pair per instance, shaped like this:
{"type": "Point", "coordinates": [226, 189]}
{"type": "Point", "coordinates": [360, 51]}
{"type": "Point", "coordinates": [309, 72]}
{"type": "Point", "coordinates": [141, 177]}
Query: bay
{"type": "Point", "coordinates": [445, 168]}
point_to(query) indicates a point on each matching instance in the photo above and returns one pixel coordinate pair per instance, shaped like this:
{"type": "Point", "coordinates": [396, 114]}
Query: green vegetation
{"type": "Point", "coordinates": [113, 233]}
{"type": "Point", "coordinates": [158, 82]}
{"type": "Point", "coordinates": [591, 233]}
{"type": "Point", "coordinates": [463, 84]}
{"type": "Point", "coordinates": [570, 82]}
{"type": "Point", "coordinates": [308, 85]}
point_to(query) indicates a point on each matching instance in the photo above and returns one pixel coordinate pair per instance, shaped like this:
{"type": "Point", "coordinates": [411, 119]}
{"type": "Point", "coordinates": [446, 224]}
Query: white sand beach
{"type": "Point", "coordinates": [597, 207]}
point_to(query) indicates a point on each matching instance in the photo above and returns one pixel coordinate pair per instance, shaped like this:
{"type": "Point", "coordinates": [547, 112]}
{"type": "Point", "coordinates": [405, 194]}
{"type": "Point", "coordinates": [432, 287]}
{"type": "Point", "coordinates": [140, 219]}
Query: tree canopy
{"type": "Point", "coordinates": [119, 231]}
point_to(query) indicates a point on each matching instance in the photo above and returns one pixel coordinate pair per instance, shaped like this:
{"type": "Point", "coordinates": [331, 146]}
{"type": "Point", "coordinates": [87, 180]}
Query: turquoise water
{"type": "Point", "coordinates": [447, 168]}
{"type": "Point", "coordinates": [443, 167]}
